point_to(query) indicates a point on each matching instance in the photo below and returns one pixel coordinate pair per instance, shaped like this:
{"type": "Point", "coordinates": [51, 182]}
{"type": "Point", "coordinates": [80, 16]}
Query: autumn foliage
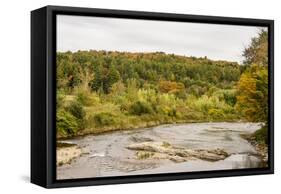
{"type": "Point", "coordinates": [100, 91]}
{"type": "Point", "coordinates": [252, 99]}
{"type": "Point", "coordinates": [170, 86]}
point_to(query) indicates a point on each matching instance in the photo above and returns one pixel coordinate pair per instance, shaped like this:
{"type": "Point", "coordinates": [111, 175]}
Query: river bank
{"type": "Point", "coordinates": [261, 147]}
{"type": "Point", "coordinates": [136, 126]}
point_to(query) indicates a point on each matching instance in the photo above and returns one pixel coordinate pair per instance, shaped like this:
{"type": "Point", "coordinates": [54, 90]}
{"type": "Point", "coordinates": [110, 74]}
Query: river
{"type": "Point", "coordinates": [107, 155]}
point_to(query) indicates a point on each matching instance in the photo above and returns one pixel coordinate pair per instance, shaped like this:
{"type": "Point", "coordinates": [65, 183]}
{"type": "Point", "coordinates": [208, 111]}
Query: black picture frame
{"type": "Point", "coordinates": [43, 95]}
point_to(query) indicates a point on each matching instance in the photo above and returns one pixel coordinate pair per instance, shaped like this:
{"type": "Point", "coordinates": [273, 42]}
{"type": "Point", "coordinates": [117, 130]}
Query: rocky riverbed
{"type": "Point", "coordinates": [161, 149]}
{"type": "Point", "coordinates": [164, 150]}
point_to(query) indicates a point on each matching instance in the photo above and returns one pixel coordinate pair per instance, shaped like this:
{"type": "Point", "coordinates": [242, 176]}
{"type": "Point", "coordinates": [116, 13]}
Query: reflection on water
{"type": "Point", "coordinates": [244, 161]}
{"type": "Point", "coordinates": [108, 155]}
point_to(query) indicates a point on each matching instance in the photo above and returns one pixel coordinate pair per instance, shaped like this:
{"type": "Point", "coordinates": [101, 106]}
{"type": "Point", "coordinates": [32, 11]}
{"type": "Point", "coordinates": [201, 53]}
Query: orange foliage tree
{"type": "Point", "coordinates": [170, 86]}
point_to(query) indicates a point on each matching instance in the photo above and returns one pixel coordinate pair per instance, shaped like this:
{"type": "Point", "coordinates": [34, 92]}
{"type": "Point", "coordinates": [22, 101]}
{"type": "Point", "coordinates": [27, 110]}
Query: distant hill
{"type": "Point", "coordinates": [74, 68]}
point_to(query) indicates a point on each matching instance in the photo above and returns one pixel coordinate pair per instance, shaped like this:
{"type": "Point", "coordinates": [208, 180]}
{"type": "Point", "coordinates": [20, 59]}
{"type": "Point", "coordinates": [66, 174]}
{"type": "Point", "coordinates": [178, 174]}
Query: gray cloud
{"type": "Point", "coordinates": [224, 42]}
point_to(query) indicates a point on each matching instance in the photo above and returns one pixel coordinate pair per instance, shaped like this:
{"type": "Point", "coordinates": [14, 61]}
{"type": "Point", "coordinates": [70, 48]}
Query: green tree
{"type": "Point", "coordinates": [96, 83]}
{"type": "Point", "coordinates": [67, 124]}
{"type": "Point", "coordinates": [112, 77]}
{"type": "Point", "coordinates": [77, 110]}
{"type": "Point", "coordinates": [104, 79]}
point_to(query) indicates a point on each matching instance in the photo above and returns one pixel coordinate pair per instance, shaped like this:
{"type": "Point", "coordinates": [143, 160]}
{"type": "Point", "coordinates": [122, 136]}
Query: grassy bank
{"type": "Point", "coordinates": [86, 112]}
{"type": "Point", "coordinates": [261, 135]}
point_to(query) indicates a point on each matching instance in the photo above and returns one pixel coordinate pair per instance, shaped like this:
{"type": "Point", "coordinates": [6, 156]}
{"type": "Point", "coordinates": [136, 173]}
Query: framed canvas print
{"type": "Point", "coordinates": [125, 96]}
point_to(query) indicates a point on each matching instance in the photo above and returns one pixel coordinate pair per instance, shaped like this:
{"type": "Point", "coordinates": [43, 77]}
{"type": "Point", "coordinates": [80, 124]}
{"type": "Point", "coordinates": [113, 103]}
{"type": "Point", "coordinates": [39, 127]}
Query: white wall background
{"type": "Point", "coordinates": [15, 95]}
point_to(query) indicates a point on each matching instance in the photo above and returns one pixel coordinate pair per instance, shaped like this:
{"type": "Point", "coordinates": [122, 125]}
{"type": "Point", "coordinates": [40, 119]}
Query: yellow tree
{"type": "Point", "coordinates": [252, 98]}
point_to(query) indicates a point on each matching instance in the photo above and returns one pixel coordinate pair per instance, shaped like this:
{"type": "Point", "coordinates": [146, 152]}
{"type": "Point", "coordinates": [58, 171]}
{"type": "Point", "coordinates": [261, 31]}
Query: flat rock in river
{"type": "Point", "coordinates": [164, 150]}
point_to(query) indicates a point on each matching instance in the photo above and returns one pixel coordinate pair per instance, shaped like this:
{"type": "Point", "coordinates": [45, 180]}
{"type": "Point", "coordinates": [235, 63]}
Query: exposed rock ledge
{"type": "Point", "coordinates": [66, 154]}
{"type": "Point", "coordinates": [164, 150]}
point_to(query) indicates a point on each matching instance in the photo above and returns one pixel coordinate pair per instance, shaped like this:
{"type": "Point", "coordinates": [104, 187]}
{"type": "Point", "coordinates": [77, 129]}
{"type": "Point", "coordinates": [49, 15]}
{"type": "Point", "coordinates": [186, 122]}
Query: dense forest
{"type": "Point", "coordinates": [99, 91]}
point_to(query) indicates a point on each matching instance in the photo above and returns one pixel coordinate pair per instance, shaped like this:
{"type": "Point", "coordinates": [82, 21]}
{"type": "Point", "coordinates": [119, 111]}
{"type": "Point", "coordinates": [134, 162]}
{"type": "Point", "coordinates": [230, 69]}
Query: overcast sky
{"type": "Point", "coordinates": [219, 42]}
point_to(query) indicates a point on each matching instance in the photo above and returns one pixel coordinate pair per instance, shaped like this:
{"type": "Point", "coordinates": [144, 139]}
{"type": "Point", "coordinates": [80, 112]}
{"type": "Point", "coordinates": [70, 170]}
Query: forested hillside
{"type": "Point", "coordinates": [100, 91]}
{"type": "Point", "coordinates": [100, 70]}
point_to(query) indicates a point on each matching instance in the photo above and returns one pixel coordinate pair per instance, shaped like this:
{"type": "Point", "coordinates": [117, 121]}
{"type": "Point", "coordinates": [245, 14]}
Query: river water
{"type": "Point", "coordinates": [107, 155]}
